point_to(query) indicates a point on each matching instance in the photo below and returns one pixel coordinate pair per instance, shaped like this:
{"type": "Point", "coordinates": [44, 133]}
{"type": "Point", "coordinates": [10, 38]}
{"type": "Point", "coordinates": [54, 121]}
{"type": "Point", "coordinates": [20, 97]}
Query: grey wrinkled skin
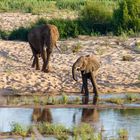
{"type": "Point", "coordinates": [89, 66]}
{"type": "Point", "coordinates": [42, 40]}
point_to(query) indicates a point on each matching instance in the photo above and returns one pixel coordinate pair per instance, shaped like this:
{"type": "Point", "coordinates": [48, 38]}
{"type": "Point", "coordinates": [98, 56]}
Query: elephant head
{"type": "Point", "coordinates": [87, 64]}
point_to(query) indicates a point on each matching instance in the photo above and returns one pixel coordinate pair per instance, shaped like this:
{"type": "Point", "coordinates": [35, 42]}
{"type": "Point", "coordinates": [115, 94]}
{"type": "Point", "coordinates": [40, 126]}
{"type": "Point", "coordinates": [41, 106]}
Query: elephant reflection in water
{"type": "Point", "coordinates": [89, 115]}
{"type": "Point", "coordinates": [42, 115]}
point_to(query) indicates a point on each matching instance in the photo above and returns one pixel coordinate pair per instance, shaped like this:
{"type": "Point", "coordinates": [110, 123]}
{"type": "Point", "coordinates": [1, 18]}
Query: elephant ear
{"type": "Point", "coordinates": [86, 66]}
{"type": "Point", "coordinates": [92, 64]}
{"type": "Point", "coordinates": [95, 65]}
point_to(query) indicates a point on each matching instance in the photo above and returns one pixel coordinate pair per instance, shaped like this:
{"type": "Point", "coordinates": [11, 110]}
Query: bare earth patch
{"type": "Point", "coordinates": [115, 75]}
{"type": "Point", "coordinates": [11, 21]}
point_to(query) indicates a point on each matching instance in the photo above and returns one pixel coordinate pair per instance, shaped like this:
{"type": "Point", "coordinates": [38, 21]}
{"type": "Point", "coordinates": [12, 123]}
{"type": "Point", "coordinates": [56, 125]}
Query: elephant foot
{"type": "Point", "coordinates": [46, 70]}
{"type": "Point", "coordinates": [37, 68]}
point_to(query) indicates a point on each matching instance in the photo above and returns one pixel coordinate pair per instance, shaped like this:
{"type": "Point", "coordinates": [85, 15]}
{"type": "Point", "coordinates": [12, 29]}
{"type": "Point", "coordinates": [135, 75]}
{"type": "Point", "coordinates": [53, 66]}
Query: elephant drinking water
{"type": "Point", "coordinates": [89, 66]}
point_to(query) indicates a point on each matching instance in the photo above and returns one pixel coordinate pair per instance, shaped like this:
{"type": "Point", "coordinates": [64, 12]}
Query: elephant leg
{"type": "Point", "coordinates": [47, 64]}
{"type": "Point", "coordinates": [43, 55]}
{"type": "Point", "coordinates": [36, 60]}
{"type": "Point", "coordinates": [94, 84]}
{"type": "Point", "coordinates": [34, 57]}
{"type": "Point", "coordinates": [82, 89]}
{"type": "Point", "coordinates": [85, 87]}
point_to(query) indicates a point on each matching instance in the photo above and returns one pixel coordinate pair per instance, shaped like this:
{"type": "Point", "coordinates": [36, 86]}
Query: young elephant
{"type": "Point", "coordinates": [88, 65]}
{"type": "Point", "coordinates": [42, 40]}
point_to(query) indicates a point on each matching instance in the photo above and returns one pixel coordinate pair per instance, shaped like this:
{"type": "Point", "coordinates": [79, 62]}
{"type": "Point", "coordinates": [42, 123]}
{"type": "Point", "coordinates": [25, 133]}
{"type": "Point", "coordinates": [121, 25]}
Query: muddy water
{"type": "Point", "coordinates": [110, 120]}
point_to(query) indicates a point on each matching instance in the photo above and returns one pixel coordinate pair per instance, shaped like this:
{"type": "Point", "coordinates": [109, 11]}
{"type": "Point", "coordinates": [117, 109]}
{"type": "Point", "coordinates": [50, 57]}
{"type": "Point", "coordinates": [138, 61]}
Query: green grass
{"type": "Point", "coordinates": [41, 6]}
{"type": "Point", "coordinates": [83, 131]}
{"type": "Point", "coordinates": [123, 134]}
{"type": "Point", "coordinates": [27, 6]}
{"type": "Point", "coordinates": [76, 48]}
{"type": "Point", "coordinates": [70, 4]}
{"type": "Point", "coordinates": [19, 129]}
{"type": "Point", "coordinates": [52, 129]}
{"type": "Point", "coordinates": [115, 101]}
{"type": "Point", "coordinates": [95, 18]}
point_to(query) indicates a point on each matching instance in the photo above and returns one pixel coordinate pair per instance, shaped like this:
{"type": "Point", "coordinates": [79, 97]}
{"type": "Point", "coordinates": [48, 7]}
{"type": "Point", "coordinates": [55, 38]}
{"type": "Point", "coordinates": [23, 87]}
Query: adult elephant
{"type": "Point", "coordinates": [42, 40]}
{"type": "Point", "coordinates": [89, 66]}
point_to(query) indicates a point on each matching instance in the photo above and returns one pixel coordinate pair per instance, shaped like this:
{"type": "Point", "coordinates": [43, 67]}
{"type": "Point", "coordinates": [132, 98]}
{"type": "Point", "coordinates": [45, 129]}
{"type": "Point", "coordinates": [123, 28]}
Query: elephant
{"type": "Point", "coordinates": [89, 66]}
{"type": "Point", "coordinates": [42, 39]}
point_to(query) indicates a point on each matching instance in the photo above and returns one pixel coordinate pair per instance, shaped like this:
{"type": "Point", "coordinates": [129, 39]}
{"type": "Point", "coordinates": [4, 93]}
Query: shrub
{"type": "Point", "coordinates": [19, 34]}
{"type": "Point", "coordinates": [67, 28]}
{"type": "Point", "coordinates": [27, 6]}
{"type": "Point", "coordinates": [97, 16]}
{"type": "Point", "coordinates": [19, 129]}
{"type": "Point", "coordinates": [70, 4]}
{"type": "Point", "coordinates": [127, 16]}
{"type": "Point", "coordinates": [3, 34]}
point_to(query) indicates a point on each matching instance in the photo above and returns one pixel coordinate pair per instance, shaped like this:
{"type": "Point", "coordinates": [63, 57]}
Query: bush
{"type": "Point", "coordinates": [127, 16]}
{"type": "Point", "coordinates": [3, 35]}
{"type": "Point", "coordinates": [19, 34]}
{"type": "Point", "coordinates": [70, 4]}
{"type": "Point", "coordinates": [67, 28]}
{"type": "Point", "coordinates": [97, 16]}
{"type": "Point", "coordinates": [27, 6]}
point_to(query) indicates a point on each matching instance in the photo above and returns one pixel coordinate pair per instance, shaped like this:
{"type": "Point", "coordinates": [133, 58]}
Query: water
{"type": "Point", "coordinates": [10, 115]}
{"type": "Point", "coordinates": [111, 120]}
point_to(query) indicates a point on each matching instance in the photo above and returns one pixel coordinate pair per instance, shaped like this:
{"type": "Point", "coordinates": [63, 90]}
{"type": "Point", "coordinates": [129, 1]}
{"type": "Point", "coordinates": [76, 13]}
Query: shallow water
{"type": "Point", "coordinates": [111, 120]}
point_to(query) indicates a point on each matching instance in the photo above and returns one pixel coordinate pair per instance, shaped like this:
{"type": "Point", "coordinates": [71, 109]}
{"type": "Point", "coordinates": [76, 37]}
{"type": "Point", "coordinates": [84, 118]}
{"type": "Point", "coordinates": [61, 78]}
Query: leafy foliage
{"type": "Point", "coordinates": [70, 4]}
{"type": "Point", "coordinates": [27, 6]}
{"type": "Point", "coordinates": [127, 16]}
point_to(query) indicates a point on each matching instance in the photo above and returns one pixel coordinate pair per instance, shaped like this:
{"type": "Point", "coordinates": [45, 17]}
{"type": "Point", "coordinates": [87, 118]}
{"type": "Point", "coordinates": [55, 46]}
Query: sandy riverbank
{"type": "Point", "coordinates": [115, 75]}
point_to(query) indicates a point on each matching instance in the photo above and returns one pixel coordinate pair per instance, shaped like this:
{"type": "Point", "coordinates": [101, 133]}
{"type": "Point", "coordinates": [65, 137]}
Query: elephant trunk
{"type": "Point", "coordinates": [74, 71]}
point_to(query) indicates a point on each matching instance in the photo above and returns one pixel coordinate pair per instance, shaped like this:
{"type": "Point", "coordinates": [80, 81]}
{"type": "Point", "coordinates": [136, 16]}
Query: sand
{"type": "Point", "coordinates": [115, 75]}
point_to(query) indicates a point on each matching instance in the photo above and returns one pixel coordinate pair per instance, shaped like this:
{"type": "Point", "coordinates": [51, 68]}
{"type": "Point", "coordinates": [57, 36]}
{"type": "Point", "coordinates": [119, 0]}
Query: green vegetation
{"type": "Point", "coordinates": [129, 98]}
{"type": "Point", "coordinates": [70, 4]}
{"type": "Point", "coordinates": [52, 129]}
{"type": "Point", "coordinates": [118, 101]}
{"type": "Point", "coordinates": [65, 99]}
{"type": "Point", "coordinates": [95, 17]}
{"type": "Point", "coordinates": [127, 16]}
{"type": "Point", "coordinates": [27, 6]}
{"type": "Point", "coordinates": [76, 48]}
{"type": "Point", "coordinates": [83, 131]}
{"type": "Point", "coordinates": [132, 97]}
{"type": "Point", "coordinates": [21, 130]}
{"type": "Point", "coordinates": [137, 46]}
{"type": "Point", "coordinates": [41, 100]}
{"type": "Point", "coordinates": [123, 134]}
